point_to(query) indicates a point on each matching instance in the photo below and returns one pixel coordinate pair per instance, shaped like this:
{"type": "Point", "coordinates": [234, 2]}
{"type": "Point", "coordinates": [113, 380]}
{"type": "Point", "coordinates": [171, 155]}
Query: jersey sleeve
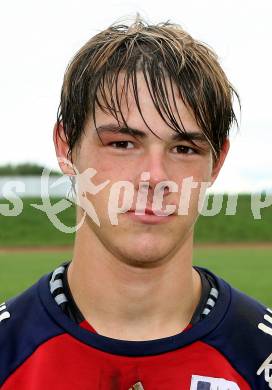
{"type": "Point", "coordinates": [24, 326]}
{"type": "Point", "coordinates": [244, 337]}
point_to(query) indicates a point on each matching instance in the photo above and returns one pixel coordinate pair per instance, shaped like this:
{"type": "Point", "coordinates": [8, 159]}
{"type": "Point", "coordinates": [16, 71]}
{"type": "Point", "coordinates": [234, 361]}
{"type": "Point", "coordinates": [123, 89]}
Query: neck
{"type": "Point", "coordinates": [120, 300]}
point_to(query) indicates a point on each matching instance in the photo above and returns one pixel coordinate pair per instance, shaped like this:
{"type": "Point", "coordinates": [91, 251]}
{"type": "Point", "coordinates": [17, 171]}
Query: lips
{"type": "Point", "coordinates": [149, 211]}
{"type": "Point", "coordinates": [148, 217]}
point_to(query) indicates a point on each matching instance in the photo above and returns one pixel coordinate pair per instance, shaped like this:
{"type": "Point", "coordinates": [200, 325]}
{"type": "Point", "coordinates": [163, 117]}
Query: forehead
{"type": "Point", "coordinates": [134, 104]}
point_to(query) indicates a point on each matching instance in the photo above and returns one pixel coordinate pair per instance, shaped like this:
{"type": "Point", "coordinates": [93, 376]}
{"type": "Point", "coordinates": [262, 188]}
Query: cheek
{"type": "Point", "coordinates": [104, 167]}
{"type": "Point", "coordinates": [199, 173]}
{"type": "Point", "coordinates": [203, 172]}
{"type": "Point", "coordinates": [116, 170]}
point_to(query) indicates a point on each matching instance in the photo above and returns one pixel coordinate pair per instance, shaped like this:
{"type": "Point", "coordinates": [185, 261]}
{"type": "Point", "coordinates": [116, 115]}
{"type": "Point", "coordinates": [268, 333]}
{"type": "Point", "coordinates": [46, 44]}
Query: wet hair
{"type": "Point", "coordinates": [169, 59]}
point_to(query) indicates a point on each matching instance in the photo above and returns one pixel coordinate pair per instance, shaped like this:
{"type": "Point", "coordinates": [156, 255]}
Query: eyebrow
{"type": "Point", "coordinates": [185, 136]}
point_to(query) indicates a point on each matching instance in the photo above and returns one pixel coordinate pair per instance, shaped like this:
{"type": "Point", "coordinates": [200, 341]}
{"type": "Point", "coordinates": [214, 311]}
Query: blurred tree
{"type": "Point", "coordinates": [23, 169]}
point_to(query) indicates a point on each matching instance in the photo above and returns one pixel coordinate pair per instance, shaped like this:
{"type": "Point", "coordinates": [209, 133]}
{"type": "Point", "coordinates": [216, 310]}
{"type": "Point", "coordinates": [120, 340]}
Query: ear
{"type": "Point", "coordinates": [220, 161]}
{"type": "Point", "coordinates": [62, 148]}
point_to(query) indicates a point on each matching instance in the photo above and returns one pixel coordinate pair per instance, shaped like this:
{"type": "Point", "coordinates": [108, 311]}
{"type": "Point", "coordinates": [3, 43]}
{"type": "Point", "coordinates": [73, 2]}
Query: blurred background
{"type": "Point", "coordinates": [38, 40]}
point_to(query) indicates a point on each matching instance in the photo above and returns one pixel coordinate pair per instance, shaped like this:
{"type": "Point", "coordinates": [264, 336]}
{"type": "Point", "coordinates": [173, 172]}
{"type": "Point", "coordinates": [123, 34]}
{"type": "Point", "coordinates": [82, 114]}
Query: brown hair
{"type": "Point", "coordinates": [162, 52]}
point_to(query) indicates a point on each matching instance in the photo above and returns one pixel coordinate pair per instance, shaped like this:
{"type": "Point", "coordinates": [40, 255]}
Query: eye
{"type": "Point", "coordinates": [122, 144]}
{"type": "Point", "coordinates": [183, 149]}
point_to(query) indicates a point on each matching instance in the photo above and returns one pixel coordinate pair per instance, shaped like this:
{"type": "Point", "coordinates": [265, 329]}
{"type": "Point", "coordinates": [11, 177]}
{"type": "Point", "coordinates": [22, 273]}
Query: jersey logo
{"type": "Point", "coordinates": [266, 367]}
{"type": "Point", "coordinates": [207, 383]}
{"type": "Point", "coordinates": [267, 326]}
{"type": "Point", "coordinates": [4, 314]}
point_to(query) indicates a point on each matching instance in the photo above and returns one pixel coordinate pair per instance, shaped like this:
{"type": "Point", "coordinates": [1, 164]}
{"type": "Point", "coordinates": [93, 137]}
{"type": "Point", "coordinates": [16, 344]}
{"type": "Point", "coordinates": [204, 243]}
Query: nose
{"type": "Point", "coordinates": [155, 169]}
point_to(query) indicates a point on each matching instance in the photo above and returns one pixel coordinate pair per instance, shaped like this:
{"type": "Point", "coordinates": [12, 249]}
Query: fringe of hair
{"type": "Point", "coordinates": [169, 59]}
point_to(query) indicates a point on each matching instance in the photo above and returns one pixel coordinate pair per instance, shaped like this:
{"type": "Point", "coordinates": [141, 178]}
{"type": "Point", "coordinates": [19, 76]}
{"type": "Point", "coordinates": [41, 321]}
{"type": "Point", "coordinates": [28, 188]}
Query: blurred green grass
{"type": "Point", "coordinates": [20, 270]}
{"type": "Point", "coordinates": [241, 227]}
{"type": "Point", "coordinates": [33, 228]}
{"type": "Point", "coordinates": [246, 269]}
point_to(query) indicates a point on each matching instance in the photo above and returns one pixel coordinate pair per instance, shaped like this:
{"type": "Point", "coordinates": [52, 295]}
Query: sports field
{"type": "Point", "coordinates": [247, 268]}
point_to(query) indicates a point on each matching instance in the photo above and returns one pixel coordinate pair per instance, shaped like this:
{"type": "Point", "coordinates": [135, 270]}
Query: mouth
{"type": "Point", "coordinates": [148, 216]}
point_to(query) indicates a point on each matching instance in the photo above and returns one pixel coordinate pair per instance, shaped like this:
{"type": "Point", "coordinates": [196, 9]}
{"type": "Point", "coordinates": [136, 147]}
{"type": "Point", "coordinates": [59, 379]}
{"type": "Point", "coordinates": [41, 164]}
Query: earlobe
{"type": "Point", "coordinates": [220, 161]}
{"type": "Point", "coordinates": [62, 149]}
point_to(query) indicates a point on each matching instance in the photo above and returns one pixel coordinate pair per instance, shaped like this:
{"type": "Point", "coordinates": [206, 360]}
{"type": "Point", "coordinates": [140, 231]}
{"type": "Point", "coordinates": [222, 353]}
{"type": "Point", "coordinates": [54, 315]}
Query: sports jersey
{"type": "Point", "coordinates": [42, 348]}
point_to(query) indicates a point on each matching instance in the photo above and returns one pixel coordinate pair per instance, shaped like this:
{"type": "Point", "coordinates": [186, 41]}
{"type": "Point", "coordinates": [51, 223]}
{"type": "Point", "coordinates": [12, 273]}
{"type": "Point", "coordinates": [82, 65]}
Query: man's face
{"type": "Point", "coordinates": [143, 239]}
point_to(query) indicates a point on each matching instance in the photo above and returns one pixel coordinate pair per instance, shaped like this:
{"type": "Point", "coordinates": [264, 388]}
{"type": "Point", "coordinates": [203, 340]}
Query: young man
{"type": "Point", "coordinates": [148, 110]}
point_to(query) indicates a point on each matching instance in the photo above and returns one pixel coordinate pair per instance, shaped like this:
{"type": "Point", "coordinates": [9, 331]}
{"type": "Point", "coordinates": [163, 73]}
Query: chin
{"type": "Point", "coordinates": [145, 255]}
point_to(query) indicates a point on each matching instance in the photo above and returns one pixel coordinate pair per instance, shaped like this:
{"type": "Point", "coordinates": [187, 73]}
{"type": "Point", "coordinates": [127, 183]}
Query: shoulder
{"type": "Point", "coordinates": [250, 319]}
{"type": "Point", "coordinates": [244, 336]}
{"type": "Point", "coordinates": [24, 325]}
